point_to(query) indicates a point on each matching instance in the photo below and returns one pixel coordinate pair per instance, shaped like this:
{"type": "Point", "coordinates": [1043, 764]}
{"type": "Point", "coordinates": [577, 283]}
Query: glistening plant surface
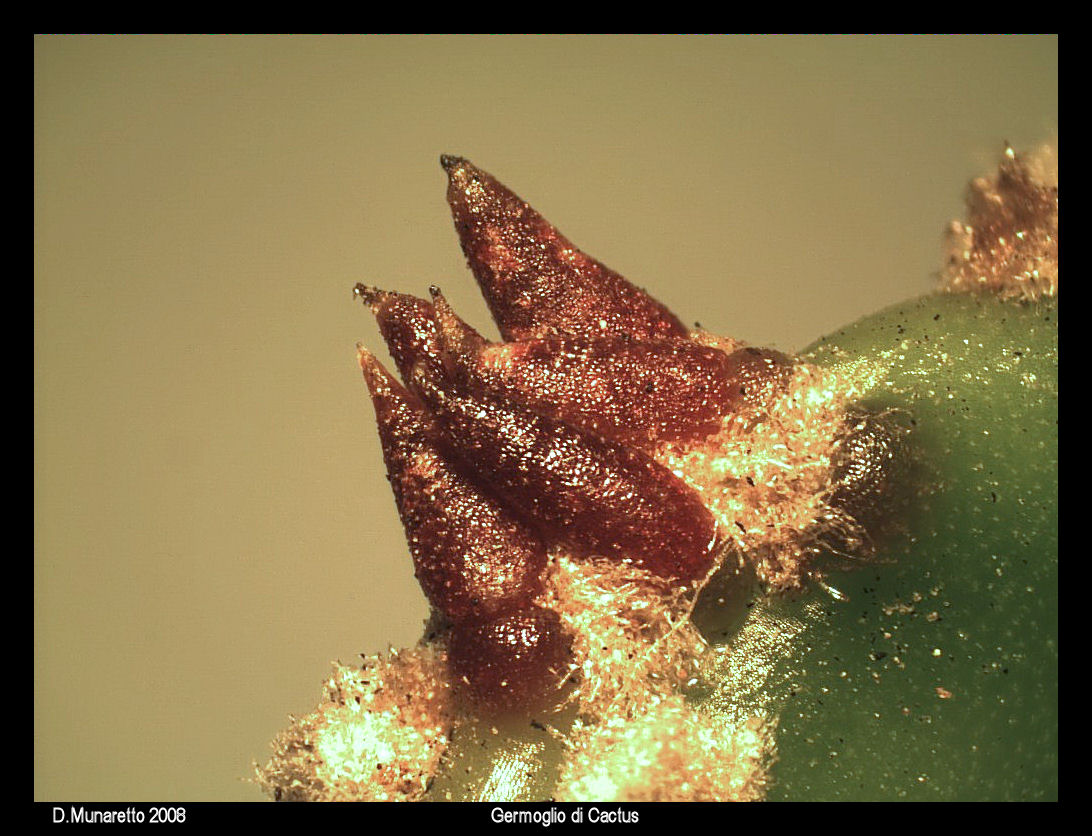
{"type": "Point", "coordinates": [664, 565]}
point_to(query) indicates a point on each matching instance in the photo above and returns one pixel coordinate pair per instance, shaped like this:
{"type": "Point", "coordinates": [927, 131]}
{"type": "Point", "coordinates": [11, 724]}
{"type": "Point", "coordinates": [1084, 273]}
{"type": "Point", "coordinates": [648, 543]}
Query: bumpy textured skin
{"type": "Point", "coordinates": [512, 663]}
{"type": "Point", "coordinates": [635, 393]}
{"type": "Point", "coordinates": [757, 375]}
{"type": "Point", "coordinates": [472, 557]}
{"type": "Point", "coordinates": [536, 283]}
{"type": "Point", "coordinates": [595, 495]}
{"type": "Point", "coordinates": [408, 326]}
{"type": "Point", "coordinates": [496, 451]}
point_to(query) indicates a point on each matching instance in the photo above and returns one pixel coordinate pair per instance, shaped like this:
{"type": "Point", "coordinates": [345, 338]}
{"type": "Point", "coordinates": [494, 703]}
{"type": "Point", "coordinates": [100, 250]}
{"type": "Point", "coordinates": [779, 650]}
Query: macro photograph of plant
{"type": "Point", "coordinates": [546, 418]}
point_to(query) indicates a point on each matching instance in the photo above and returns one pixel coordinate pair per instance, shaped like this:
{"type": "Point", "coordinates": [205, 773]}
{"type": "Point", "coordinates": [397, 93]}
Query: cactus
{"type": "Point", "coordinates": [825, 577]}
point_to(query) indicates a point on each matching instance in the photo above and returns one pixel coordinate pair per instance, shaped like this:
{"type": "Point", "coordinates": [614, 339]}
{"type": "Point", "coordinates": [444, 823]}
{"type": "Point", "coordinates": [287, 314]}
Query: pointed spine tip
{"type": "Point", "coordinates": [374, 373]}
{"type": "Point", "coordinates": [368, 295]}
{"type": "Point", "coordinates": [442, 313]}
{"type": "Point", "coordinates": [450, 162]}
{"type": "Point", "coordinates": [380, 383]}
{"type": "Point", "coordinates": [365, 358]}
{"type": "Point", "coordinates": [455, 335]}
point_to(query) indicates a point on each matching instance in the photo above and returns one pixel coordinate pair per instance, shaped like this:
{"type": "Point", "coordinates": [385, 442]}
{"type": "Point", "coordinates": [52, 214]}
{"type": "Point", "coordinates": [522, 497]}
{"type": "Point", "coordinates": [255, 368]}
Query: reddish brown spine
{"type": "Point", "coordinates": [472, 557]}
{"type": "Point", "coordinates": [408, 326]}
{"type": "Point", "coordinates": [635, 393]}
{"type": "Point", "coordinates": [537, 284]}
{"type": "Point", "coordinates": [595, 495]}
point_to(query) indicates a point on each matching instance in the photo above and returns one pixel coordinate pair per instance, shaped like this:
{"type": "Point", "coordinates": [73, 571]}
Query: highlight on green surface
{"type": "Point", "coordinates": [861, 605]}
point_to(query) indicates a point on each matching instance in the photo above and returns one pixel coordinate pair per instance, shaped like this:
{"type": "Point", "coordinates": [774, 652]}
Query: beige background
{"type": "Point", "coordinates": [212, 523]}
